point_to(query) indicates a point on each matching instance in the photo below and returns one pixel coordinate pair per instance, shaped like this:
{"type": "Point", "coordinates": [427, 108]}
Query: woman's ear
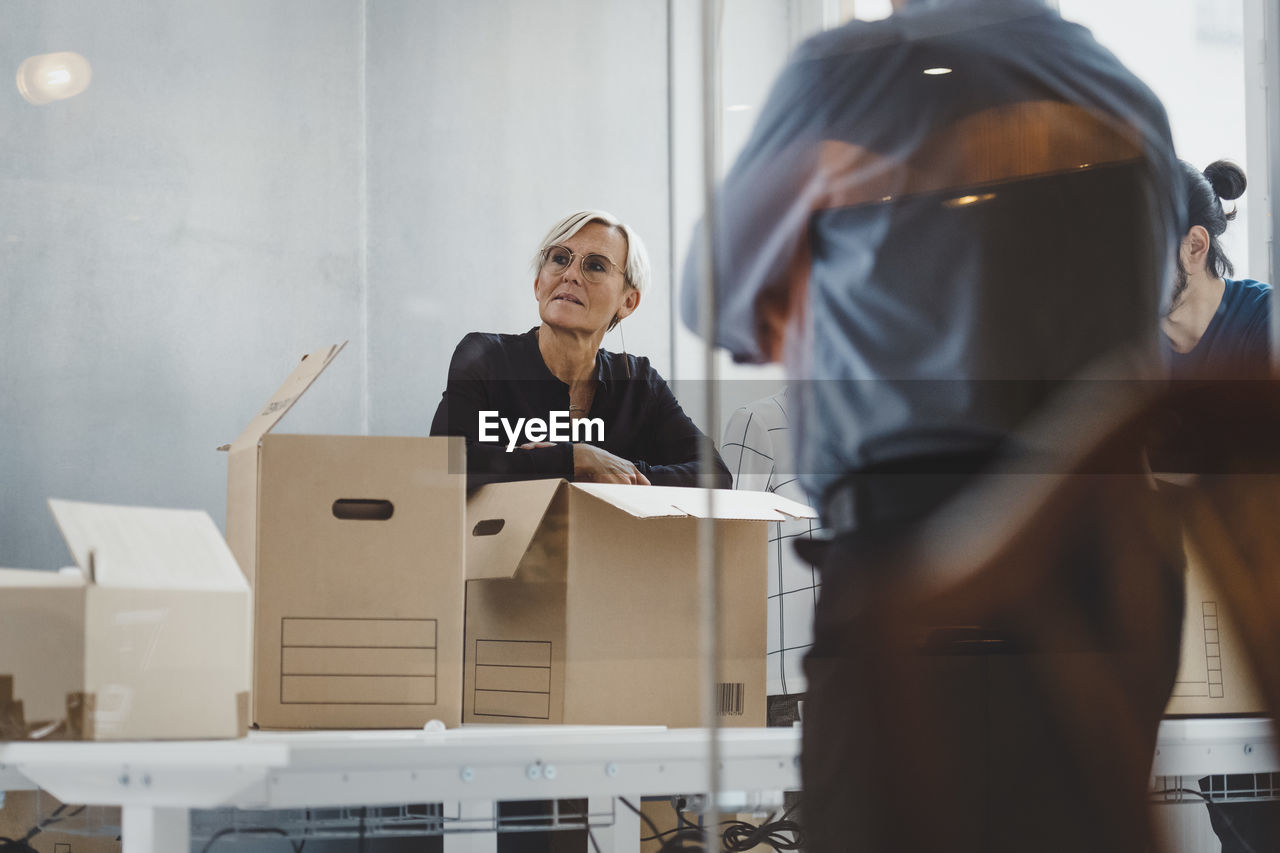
{"type": "Point", "coordinates": [630, 302]}
{"type": "Point", "coordinates": [1196, 247]}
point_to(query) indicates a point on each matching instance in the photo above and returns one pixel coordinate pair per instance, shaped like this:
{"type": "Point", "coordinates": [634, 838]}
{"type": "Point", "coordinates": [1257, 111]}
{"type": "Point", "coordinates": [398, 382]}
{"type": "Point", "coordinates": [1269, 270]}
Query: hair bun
{"type": "Point", "coordinates": [1226, 178]}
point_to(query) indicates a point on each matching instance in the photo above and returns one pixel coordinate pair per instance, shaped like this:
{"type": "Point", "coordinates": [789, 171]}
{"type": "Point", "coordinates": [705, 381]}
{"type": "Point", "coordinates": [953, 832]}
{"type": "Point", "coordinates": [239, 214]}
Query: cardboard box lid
{"type": "Point", "coordinates": [311, 366]}
{"type": "Point", "coordinates": [503, 520]}
{"type": "Point", "coordinates": [142, 547]}
{"type": "Point", "coordinates": [678, 502]}
{"type": "Point", "coordinates": [522, 527]}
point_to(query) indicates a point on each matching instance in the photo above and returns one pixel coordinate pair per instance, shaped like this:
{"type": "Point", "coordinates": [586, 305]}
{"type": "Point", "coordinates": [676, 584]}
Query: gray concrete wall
{"type": "Point", "coordinates": [245, 181]}
{"type": "Point", "coordinates": [170, 242]}
{"type": "Point", "coordinates": [487, 123]}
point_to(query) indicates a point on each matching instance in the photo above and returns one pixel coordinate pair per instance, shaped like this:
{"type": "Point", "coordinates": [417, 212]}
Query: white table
{"type": "Point", "coordinates": [158, 783]}
{"type": "Point", "coordinates": [1205, 746]}
{"type": "Point", "coordinates": [1243, 749]}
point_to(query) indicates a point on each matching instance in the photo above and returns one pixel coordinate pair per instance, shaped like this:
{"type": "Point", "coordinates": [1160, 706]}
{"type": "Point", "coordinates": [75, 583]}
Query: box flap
{"type": "Point", "coordinates": [742, 505]}
{"type": "Point", "coordinates": [311, 366]}
{"type": "Point", "coordinates": [141, 547]}
{"type": "Point", "coordinates": [678, 502]}
{"type": "Point", "coordinates": [36, 577]}
{"type": "Point", "coordinates": [504, 524]}
{"type": "Point", "coordinates": [242, 507]}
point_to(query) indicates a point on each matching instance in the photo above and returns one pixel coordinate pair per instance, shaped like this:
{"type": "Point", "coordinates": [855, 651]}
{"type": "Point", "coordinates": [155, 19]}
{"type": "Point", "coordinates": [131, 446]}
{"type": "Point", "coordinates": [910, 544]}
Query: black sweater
{"type": "Point", "coordinates": [643, 423]}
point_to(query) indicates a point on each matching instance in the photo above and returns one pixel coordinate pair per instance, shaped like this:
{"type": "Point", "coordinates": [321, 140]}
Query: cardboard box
{"type": "Point", "coordinates": [78, 829]}
{"type": "Point", "coordinates": [583, 603]}
{"type": "Point", "coordinates": [150, 639]}
{"type": "Point", "coordinates": [1214, 675]}
{"type": "Point", "coordinates": [354, 548]}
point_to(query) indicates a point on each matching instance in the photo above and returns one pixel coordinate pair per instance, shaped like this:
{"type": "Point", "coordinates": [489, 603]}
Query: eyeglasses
{"type": "Point", "coordinates": [595, 267]}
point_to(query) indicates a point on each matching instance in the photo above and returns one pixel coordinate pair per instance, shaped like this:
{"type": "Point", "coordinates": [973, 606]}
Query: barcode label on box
{"type": "Point", "coordinates": [731, 695]}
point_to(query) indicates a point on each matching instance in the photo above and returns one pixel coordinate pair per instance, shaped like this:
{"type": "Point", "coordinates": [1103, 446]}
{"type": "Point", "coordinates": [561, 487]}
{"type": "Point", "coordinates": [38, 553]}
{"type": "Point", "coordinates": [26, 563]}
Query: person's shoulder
{"type": "Point", "coordinates": [637, 369]}
{"type": "Point", "coordinates": [998, 29]}
{"type": "Point", "coordinates": [849, 37]}
{"type": "Point", "coordinates": [482, 346]}
{"type": "Point", "coordinates": [474, 344]}
{"type": "Point", "coordinates": [1243, 319]}
{"type": "Point", "coordinates": [496, 340]}
{"type": "Point", "coordinates": [1254, 291]}
{"type": "Point", "coordinates": [1247, 297]}
{"type": "Point", "coordinates": [624, 365]}
{"type": "Point", "coordinates": [1253, 304]}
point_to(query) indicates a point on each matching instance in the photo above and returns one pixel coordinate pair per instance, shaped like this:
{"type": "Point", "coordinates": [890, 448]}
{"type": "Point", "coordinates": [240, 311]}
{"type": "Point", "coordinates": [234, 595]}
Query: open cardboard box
{"type": "Point", "coordinates": [583, 603]}
{"type": "Point", "coordinates": [354, 548]}
{"type": "Point", "coordinates": [150, 639]}
{"type": "Point", "coordinates": [1214, 674]}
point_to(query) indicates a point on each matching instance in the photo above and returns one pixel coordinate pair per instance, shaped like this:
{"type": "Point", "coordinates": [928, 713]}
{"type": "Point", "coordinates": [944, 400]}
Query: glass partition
{"type": "Point", "coordinates": [197, 195]}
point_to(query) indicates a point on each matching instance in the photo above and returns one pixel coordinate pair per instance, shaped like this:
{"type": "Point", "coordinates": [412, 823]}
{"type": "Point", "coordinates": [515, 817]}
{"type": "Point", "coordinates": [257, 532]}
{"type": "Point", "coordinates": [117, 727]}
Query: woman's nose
{"type": "Point", "coordinates": [573, 272]}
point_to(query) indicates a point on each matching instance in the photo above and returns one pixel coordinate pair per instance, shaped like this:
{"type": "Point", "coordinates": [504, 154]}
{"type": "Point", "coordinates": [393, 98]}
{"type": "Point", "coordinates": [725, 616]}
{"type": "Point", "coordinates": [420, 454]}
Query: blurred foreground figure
{"type": "Point", "coordinates": [941, 221]}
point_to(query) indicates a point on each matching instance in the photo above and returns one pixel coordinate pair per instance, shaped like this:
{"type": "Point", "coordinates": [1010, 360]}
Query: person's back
{"type": "Point", "coordinates": [939, 217]}
{"type": "Point", "coordinates": [940, 221]}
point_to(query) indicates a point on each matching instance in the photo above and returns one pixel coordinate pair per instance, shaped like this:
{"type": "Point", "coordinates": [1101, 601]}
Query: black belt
{"type": "Point", "coordinates": [901, 492]}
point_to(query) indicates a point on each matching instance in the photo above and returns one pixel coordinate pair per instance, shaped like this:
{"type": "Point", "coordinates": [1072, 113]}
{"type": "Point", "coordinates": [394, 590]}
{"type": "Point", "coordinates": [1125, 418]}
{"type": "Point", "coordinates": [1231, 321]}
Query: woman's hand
{"type": "Point", "coordinates": [593, 465]}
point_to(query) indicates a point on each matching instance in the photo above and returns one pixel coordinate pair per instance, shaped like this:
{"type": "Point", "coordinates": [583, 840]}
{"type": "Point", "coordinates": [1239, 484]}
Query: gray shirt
{"type": "Point", "coordinates": [940, 218]}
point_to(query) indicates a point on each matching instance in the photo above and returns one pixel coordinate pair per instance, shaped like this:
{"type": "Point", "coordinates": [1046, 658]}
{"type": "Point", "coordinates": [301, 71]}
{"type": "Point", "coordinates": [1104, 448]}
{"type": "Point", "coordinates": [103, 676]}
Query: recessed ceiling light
{"type": "Point", "coordinates": [966, 200]}
{"type": "Point", "coordinates": [935, 72]}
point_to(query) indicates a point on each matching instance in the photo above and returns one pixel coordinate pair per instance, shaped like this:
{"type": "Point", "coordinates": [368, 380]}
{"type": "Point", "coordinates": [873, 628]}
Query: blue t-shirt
{"type": "Point", "coordinates": [1237, 343]}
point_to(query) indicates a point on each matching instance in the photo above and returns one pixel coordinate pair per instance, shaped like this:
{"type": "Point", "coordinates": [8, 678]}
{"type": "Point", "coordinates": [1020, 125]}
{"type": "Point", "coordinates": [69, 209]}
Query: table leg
{"type": "Point", "coordinates": [474, 812]}
{"type": "Point", "coordinates": [624, 835]}
{"type": "Point", "coordinates": [144, 829]}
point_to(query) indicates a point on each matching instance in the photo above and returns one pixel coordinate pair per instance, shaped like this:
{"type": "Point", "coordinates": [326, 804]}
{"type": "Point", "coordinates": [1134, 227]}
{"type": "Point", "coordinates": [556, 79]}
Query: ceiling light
{"type": "Point", "coordinates": [966, 200]}
{"type": "Point", "coordinates": [49, 77]}
{"type": "Point", "coordinates": [935, 72]}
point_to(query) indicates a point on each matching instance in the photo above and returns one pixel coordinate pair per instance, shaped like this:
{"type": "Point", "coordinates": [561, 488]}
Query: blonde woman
{"type": "Point", "coordinates": [552, 403]}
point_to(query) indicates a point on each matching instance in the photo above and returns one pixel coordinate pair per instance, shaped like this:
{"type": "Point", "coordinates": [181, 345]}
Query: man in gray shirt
{"type": "Point", "coordinates": [939, 221]}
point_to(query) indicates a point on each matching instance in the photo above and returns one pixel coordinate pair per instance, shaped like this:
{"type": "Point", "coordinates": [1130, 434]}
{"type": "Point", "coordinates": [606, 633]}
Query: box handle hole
{"type": "Point", "coordinates": [489, 527]}
{"type": "Point", "coordinates": [362, 509]}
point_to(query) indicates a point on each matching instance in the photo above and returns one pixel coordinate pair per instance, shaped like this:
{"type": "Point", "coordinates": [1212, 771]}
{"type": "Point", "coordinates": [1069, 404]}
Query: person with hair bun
{"type": "Point", "coordinates": [1216, 326]}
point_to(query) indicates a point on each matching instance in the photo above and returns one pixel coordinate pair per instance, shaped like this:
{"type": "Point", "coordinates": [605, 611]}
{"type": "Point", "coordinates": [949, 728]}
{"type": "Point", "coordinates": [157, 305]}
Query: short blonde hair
{"type": "Point", "coordinates": [635, 271]}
